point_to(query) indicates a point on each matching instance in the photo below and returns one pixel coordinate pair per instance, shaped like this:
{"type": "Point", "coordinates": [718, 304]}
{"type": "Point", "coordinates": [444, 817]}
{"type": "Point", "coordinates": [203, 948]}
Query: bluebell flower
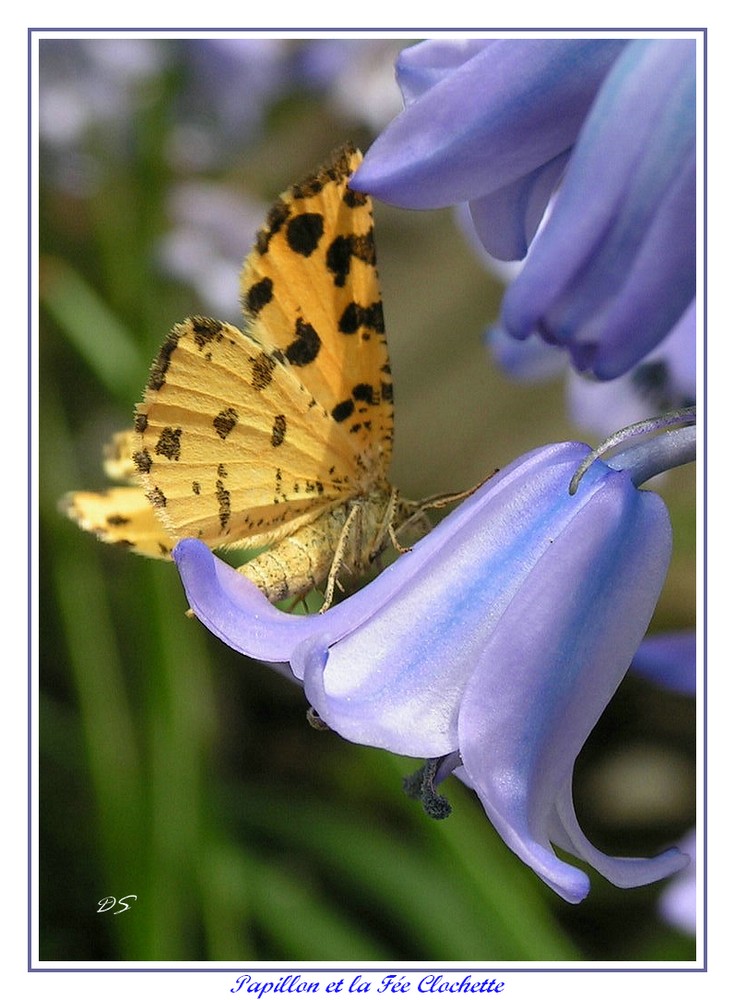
{"type": "Point", "coordinates": [526, 361]}
{"type": "Point", "coordinates": [663, 380]}
{"type": "Point", "coordinates": [494, 644]}
{"type": "Point", "coordinates": [606, 127]}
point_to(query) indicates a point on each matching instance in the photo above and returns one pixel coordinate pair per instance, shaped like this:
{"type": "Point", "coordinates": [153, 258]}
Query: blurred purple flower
{"type": "Point", "coordinates": [531, 360]}
{"type": "Point", "coordinates": [206, 244]}
{"type": "Point", "coordinates": [608, 128]}
{"type": "Point", "coordinates": [495, 643]}
{"type": "Point", "coordinates": [663, 380]}
{"type": "Point", "coordinates": [678, 902]}
{"type": "Point", "coordinates": [353, 75]}
{"type": "Point", "coordinates": [88, 91]}
{"type": "Point", "coordinates": [227, 87]}
{"type": "Point", "coordinates": [93, 92]}
{"type": "Point", "coordinates": [670, 660]}
{"type": "Point", "coordinates": [87, 82]}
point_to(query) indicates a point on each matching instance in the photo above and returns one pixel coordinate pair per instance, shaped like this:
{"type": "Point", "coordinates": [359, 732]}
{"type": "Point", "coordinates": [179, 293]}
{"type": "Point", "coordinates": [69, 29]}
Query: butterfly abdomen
{"type": "Point", "coordinates": [346, 538]}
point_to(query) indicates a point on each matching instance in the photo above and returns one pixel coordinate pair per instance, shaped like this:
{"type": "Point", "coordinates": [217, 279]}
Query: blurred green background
{"type": "Point", "coordinates": [170, 767]}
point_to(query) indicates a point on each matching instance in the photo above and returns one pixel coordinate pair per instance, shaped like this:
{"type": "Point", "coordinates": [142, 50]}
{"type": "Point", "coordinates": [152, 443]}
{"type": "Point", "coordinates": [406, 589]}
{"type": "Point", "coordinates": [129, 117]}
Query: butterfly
{"type": "Point", "coordinates": [279, 434]}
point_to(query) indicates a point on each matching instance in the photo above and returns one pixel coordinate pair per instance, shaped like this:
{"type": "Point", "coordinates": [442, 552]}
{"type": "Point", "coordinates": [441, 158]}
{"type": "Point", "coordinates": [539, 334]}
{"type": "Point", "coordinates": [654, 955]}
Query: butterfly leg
{"type": "Point", "coordinates": [436, 502]}
{"type": "Point", "coordinates": [440, 500]}
{"type": "Point", "coordinates": [390, 525]}
{"type": "Point", "coordinates": [339, 552]}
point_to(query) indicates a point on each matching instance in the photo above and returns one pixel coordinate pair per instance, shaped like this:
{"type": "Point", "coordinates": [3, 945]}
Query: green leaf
{"type": "Point", "coordinates": [92, 329]}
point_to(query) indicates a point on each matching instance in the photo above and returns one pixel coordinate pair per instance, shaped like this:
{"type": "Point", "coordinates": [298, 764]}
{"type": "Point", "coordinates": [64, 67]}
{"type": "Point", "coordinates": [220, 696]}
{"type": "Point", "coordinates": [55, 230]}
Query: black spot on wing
{"type": "Point", "coordinates": [157, 497]}
{"type": "Point", "coordinates": [258, 296]}
{"type": "Point", "coordinates": [278, 214]}
{"type": "Point", "coordinates": [142, 461]}
{"type": "Point", "coordinates": [225, 421]}
{"type": "Point", "coordinates": [279, 430]}
{"type": "Point", "coordinates": [205, 330]}
{"type": "Point", "coordinates": [336, 169]}
{"type": "Point", "coordinates": [310, 186]}
{"type": "Point", "coordinates": [169, 444]}
{"type": "Point", "coordinates": [355, 199]}
{"type": "Point", "coordinates": [339, 256]}
{"type": "Point", "coordinates": [343, 410]}
{"type": "Point", "coordinates": [356, 316]}
{"type": "Point", "coordinates": [304, 231]}
{"type": "Point", "coordinates": [363, 247]}
{"type": "Point", "coordinates": [157, 377]}
{"type": "Point", "coordinates": [305, 346]}
{"type": "Point", "coordinates": [223, 502]}
{"type": "Point", "coordinates": [364, 393]}
{"type": "Point", "coordinates": [343, 248]}
{"type": "Point", "coordinates": [262, 371]}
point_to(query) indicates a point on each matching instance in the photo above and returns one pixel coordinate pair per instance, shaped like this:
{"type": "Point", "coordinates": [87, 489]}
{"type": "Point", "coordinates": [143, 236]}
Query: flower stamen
{"type": "Point", "coordinates": [648, 458]}
{"type": "Point", "coordinates": [421, 785]}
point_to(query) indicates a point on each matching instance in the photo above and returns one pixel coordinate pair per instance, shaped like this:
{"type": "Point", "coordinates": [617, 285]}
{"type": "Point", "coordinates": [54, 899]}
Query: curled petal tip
{"type": "Point", "coordinates": [234, 609]}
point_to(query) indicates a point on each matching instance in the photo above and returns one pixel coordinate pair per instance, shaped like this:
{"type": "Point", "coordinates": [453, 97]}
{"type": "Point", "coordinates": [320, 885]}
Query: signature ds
{"type": "Point", "coordinates": [109, 902]}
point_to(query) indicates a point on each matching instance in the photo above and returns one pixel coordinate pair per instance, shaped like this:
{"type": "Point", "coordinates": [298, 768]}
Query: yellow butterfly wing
{"type": "Point", "coordinates": [232, 447]}
{"type": "Point", "coordinates": [121, 516]}
{"type": "Point", "coordinates": [244, 437]}
{"type": "Point", "coordinates": [310, 293]}
{"type": "Point", "coordinates": [118, 458]}
{"type": "Point", "coordinates": [271, 434]}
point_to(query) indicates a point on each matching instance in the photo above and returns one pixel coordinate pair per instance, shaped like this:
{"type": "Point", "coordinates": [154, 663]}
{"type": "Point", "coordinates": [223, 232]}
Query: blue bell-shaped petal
{"type": "Point", "coordinates": [483, 117]}
{"type": "Point", "coordinates": [607, 128]}
{"type": "Point", "coordinates": [499, 638]}
{"type": "Point", "coordinates": [614, 268]}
